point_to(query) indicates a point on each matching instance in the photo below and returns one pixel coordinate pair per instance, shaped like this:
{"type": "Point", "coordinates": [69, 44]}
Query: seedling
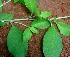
{"type": "Point", "coordinates": [17, 40]}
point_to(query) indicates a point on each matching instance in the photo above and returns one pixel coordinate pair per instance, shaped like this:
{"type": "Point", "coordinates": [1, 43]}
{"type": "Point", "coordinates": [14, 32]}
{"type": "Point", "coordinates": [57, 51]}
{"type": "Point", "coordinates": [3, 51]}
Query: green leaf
{"type": "Point", "coordinates": [15, 42]}
{"type": "Point", "coordinates": [52, 43]}
{"type": "Point", "coordinates": [37, 12]}
{"type": "Point", "coordinates": [34, 30]}
{"type": "Point", "coordinates": [31, 5]}
{"type": "Point", "coordinates": [40, 23]}
{"type": "Point", "coordinates": [0, 5]}
{"type": "Point", "coordinates": [45, 14]}
{"type": "Point", "coordinates": [5, 16]}
{"type": "Point", "coordinates": [22, 1]}
{"type": "Point", "coordinates": [27, 35]}
{"type": "Point", "coordinates": [15, 1]}
{"type": "Point", "coordinates": [64, 28]}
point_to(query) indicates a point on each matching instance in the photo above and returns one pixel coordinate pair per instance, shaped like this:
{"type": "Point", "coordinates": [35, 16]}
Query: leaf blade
{"type": "Point", "coordinates": [40, 23]}
{"type": "Point", "coordinates": [52, 43]}
{"type": "Point", "coordinates": [14, 42]}
{"type": "Point", "coordinates": [31, 5]}
{"type": "Point", "coordinates": [45, 14]}
{"type": "Point", "coordinates": [27, 35]}
{"type": "Point", "coordinates": [64, 28]}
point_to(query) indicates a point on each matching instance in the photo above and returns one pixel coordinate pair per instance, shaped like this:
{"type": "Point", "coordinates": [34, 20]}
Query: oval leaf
{"type": "Point", "coordinates": [14, 42]}
{"type": "Point", "coordinates": [27, 35]}
{"type": "Point", "coordinates": [64, 28]}
{"type": "Point", "coordinates": [52, 43]}
{"type": "Point", "coordinates": [40, 23]}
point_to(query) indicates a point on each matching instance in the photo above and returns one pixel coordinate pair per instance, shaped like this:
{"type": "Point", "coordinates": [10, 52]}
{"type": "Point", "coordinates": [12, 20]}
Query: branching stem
{"type": "Point", "coordinates": [16, 20]}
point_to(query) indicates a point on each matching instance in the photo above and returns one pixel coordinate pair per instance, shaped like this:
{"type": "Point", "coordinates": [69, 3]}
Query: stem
{"type": "Point", "coordinates": [59, 18]}
{"type": "Point", "coordinates": [5, 3]}
{"type": "Point", "coordinates": [15, 20]}
{"type": "Point", "coordinates": [21, 24]}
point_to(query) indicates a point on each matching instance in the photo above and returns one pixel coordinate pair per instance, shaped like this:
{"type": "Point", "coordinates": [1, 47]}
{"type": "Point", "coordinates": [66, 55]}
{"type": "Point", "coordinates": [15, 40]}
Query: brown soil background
{"type": "Point", "coordinates": [56, 7]}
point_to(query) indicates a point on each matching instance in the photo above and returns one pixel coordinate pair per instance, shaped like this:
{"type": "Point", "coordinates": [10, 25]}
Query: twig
{"type": "Point", "coordinates": [59, 18]}
{"type": "Point", "coordinates": [21, 24]}
{"type": "Point", "coordinates": [15, 20]}
{"type": "Point", "coordinates": [32, 19]}
{"type": "Point", "coordinates": [5, 3]}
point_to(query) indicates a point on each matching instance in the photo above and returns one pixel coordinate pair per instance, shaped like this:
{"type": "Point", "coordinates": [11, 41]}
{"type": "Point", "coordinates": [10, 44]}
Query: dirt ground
{"type": "Point", "coordinates": [56, 7]}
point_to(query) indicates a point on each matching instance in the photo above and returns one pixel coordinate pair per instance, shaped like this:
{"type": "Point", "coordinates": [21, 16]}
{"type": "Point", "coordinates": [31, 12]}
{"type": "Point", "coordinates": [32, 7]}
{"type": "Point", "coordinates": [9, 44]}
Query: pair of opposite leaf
{"type": "Point", "coordinates": [37, 23]}
{"type": "Point", "coordinates": [52, 41]}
